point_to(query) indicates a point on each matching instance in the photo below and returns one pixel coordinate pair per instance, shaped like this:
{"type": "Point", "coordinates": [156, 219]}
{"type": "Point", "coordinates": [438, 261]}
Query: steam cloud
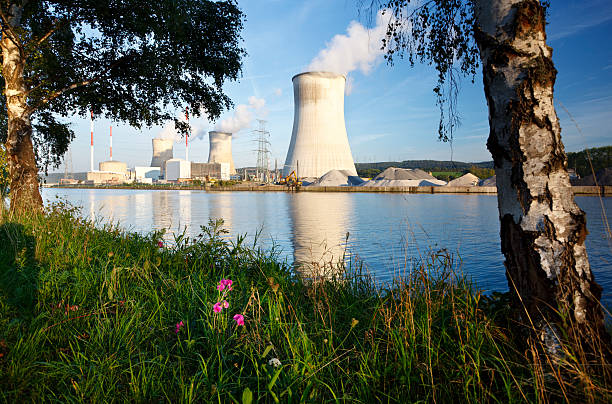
{"type": "Point", "coordinates": [242, 118]}
{"type": "Point", "coordinates": [359, 49]}
{"type": "Point", "coordinates": [243, 115]}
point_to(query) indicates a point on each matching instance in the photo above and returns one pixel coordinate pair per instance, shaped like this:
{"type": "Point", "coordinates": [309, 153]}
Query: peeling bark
{"type": "Point", "coordinates": [542, 228]}
{"type": "Point", "coordinates": [24, 193]}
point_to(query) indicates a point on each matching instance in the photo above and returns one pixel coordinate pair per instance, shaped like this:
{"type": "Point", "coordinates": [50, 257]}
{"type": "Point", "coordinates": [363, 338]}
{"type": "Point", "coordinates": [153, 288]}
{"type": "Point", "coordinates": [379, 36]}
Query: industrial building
{"type": "Point", "coordinates": [319, 142]}
{"type": "Point", "coordinates": [220, 150]}
{"type": "Point", "coordinates": [178, 170]}
{"type": "Point", "coordinates": [205, 171]}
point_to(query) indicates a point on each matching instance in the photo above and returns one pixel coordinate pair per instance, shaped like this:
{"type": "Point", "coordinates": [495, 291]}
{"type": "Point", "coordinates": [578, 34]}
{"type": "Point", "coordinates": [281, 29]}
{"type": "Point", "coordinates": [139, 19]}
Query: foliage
{"type": "Point", "coordinates": [601, 157]}
{"type": "Point", "coordinates": [447, 175]}
{"type": "Point", "coordinates": [481, 172]}
{"type": "Point", "coordinates": [368, 172]}
{"type": "Point", "coordinates": [133, 61]}
{"type": "Point", "coordinates": [97, 314]}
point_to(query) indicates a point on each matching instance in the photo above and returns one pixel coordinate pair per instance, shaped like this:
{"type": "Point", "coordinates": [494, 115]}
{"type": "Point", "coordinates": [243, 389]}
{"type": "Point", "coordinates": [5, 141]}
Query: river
{"type": "Point", "coordinates": [382, 231]}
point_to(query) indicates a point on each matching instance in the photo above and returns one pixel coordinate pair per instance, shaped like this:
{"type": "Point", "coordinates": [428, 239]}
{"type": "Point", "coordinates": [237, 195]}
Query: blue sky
{"type": "Point", "coordinates": [390, 112]}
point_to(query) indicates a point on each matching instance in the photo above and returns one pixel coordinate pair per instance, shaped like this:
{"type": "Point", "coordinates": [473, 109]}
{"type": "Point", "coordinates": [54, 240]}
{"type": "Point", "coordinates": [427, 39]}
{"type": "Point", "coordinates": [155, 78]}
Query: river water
{"type": "Point", "coordinates": [385, 231]}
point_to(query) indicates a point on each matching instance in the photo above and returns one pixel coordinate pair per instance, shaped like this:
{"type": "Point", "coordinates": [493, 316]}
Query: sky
{"type": "Point", "coordinates": [390, 111]}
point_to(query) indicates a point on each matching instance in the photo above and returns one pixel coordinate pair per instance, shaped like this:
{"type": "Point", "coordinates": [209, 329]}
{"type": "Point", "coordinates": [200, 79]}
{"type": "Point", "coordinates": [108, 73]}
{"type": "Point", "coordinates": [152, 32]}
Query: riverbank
{"type": "Point", "coordinates": [578, 190]}
{"type": "Point", "coordinates": [92, 314]}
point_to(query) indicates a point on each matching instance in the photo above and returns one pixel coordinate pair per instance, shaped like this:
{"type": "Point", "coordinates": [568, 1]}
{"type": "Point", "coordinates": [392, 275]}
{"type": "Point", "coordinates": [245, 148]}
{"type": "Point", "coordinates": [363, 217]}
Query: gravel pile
{"type": "Point", "coordinates": [488, 182]}
{"type": "Point", "coordinates": [403, 177]}
{"type": "Point", "coordinates": [467, 180]}
{"type": "Point", "coordinates": [337, 178]}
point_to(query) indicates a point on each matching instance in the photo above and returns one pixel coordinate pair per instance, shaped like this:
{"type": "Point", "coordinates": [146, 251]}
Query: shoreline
{"type": "Point", "coordinates": [578, 190]}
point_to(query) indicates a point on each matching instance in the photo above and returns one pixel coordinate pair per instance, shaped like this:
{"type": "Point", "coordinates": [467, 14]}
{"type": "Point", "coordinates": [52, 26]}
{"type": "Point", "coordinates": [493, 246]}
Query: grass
{"type": "Point", "coordinates": [91, 314]}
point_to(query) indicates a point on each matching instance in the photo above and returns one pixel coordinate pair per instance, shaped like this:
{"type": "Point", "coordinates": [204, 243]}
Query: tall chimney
{"type": "Point", "coordinates": [91, 154]}
{"type": "Point", "coordinates": [111, 143]}
{"type": "Point", "coordinates": [319, 141]}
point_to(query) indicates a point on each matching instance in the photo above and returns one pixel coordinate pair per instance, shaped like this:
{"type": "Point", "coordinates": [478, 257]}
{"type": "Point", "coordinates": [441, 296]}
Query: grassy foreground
{"type": "Point", "coordinates": [100, 315]}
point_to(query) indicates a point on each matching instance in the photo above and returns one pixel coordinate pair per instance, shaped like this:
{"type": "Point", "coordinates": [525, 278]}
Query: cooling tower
{"type": "Point", "coordinates": [162, 152]}
{"type": "Point", "coordinates": [319, 142]}
{"type": "Point", "coordinates": [221, 149]}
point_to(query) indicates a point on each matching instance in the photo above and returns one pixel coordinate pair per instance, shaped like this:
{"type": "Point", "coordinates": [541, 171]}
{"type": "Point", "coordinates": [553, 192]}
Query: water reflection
{"type": "Point", "coordinates": [319, 231]}
{"type": "Point", "coordinates": [220, 207]}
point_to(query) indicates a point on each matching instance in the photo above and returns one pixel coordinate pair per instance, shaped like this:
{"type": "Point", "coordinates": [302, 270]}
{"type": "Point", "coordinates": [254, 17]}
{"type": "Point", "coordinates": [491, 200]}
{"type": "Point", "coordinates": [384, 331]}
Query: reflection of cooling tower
{"type": "Point", "coordinates": [162, 151]}
{"type": "Point", "coordinates": [319, 142]}
{"type": "Point", "coordinates": [221, 149]}
{"type": "Point", "coordinates": [320, 223]}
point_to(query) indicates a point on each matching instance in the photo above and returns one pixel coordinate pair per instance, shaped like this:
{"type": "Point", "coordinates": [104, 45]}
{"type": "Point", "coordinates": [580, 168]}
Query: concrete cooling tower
{"type": "Point", "coordinates": [319, 142]}
{"type": "Point", "coordinates": [162, 152]}
{"type": "Point", "coordinates": [221, 149]}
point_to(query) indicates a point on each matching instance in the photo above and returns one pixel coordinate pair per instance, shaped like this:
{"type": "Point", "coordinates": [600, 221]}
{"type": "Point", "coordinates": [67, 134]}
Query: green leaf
{"type": "Point", "coordinates": [247, 396]}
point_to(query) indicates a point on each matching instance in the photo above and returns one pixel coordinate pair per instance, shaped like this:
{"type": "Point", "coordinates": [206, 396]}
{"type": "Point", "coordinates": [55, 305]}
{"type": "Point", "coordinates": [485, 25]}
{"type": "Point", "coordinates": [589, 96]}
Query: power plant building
{"type": "Point", "coordinates": [221, 149]}
{"type": "Point", "coordinates": [203, 171]}
{"type": "Point", "coordinates": [319, 142]}
{"type": "Point", "coordinates": [177, 170]}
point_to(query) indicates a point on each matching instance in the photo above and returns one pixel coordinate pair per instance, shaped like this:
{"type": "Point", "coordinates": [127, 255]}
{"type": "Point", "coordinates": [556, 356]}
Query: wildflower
{"type": "Point", "coordinates": [225, 304]}
{"type": "Point", "coordinates": [224, 284]}
{"type": "Point", "coordinates": [217, 307]}
{"type": "Point", "coordinates": [178, 327]}
{"type": "Point", "coordinates": [160, 244]}
{"type": "Point", "coordinates": [274, 362]}
{"type": "Point", "coordinates": [239, 319]}
{"type": "Point", "coordinates": [354, 323]}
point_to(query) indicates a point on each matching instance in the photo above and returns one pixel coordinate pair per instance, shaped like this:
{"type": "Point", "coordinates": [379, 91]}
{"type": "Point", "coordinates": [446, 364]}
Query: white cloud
{"type": "Point", "coordinates": [278, 92]}
{"type": "Point", "coordinates": [360, 49]}
{"type": "Point", "coordinates": [243, 115]}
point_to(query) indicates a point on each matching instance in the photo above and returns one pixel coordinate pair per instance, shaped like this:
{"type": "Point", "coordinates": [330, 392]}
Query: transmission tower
{"type": "Point", "coordinates": [263, 151]}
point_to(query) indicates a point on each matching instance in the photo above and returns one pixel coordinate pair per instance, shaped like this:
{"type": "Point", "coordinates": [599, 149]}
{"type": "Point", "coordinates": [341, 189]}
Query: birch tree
{"type": "Point", "coordinates": [542, 229]}
{"type": "Point", "coordinates": [133, 61]}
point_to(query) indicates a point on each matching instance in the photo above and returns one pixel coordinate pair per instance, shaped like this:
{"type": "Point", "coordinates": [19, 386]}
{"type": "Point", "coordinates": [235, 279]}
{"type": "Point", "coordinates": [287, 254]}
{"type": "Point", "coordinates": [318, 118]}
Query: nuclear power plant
{"type": "Point", "coordinates": [221, 149]}
{"type": "Point", "coordinates": [162, 152]}
{"type": "Point", "coordinates": [319, 142]}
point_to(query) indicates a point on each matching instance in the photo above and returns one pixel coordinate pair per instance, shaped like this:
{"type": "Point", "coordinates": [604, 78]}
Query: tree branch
{"type": "Point", "coordinates": [72, 86]}
{"type": "Point", "coordinates": [7, 28]}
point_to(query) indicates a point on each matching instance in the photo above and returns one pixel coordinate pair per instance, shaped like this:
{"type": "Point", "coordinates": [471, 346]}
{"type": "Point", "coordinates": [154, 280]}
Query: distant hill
{"type": "Point", "coordinates": [373, 169]}
{"type": "Point", "coordinates": [600, 156]}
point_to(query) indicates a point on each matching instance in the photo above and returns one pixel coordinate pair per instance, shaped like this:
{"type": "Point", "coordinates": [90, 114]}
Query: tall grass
{"type": "Point", "coordinates": [94, 314]}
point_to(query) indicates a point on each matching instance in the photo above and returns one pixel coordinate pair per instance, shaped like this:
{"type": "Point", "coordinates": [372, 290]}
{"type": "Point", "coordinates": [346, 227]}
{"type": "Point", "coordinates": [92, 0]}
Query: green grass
{"type": "Point", "coordinates": [89, 315]}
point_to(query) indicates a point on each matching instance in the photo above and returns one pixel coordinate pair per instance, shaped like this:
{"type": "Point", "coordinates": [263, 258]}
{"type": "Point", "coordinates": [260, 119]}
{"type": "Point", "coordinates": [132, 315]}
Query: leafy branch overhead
{"type": "Point", "coordinates": [133, 61]}
{"type": "Point", "coordinates": [438, 33]}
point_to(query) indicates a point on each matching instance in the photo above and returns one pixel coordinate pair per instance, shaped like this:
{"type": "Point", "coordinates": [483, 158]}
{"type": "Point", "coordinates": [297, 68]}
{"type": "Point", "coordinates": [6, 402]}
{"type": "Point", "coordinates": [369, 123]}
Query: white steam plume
{"type": "Point", "coordinates": [359, 49]}
{"type": "Point", "coordinates": [243, 115]}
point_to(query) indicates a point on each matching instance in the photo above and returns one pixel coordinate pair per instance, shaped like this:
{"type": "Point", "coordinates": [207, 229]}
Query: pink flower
{"type": "Point", "coordinates": [239, 319]}
{"type": "Point", "coordinates": [224, 284]}
{"type": "Point", "coordinates": [217, 307]}
{"type": "Point", "coordinates": [160, 244]}
{"type": "Point", "coordinates": [225, 304]}
{"type": "Point", "coordinates": [178, 327]}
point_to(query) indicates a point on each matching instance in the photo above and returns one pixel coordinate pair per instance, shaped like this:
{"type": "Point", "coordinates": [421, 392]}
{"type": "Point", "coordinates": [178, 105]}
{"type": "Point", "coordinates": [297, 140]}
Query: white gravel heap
{"type": "Point", "coordinates": [337, 178]}
{"type": "Point", "coordinates": [404, 177]}
{"type": "Point", "coordinates": [467, 180]}
{"type": "Point", "coordinates": [488, 182]}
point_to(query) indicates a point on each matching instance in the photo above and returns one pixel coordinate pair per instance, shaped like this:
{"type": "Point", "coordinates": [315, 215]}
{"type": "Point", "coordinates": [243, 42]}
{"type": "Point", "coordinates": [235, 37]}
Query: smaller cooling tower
{"type": "Point", "coordinates": [221, 149]}
{"type": "Point", "coordinates": [162, 152]}
{"type": "Point", "coordinates": [319, 142]}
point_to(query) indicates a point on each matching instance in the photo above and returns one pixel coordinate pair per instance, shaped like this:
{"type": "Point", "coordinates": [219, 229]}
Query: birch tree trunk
{"type": "Point", "coordinates": [24, 193]}
{"type": "Point", "coordinates": [542, 228]}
